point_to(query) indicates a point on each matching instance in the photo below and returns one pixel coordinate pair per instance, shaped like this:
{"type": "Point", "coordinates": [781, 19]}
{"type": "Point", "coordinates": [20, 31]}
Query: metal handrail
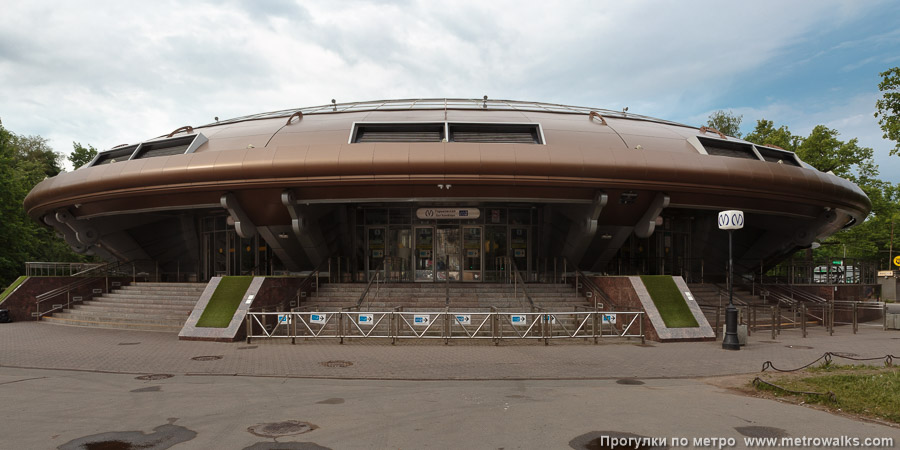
{"type": "Point", "coordinates": [581, 277]}
{"type": "Point", "coordinates": [56, 268]}
{"type": "Point", "coordinates": [314, 275]}
{"type": "Point", "coordinates": [369, 284]}
{"type": "Point", "coordinates": [88, 276]}
{"type": "Point", "coordinates": [517, 277]}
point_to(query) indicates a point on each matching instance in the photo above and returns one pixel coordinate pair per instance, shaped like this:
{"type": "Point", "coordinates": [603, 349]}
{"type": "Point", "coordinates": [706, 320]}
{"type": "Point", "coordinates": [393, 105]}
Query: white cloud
{"type": "Point", "coordinates": [107, 73]}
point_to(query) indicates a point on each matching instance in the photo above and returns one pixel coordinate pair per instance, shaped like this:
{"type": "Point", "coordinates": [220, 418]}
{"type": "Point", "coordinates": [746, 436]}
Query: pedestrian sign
{"type": "Point", "coordinates": [421, 319]}
{"type": "Point", "coordinates": [318, 318]}
{"type": "Point", "coordinates": [518, 320]}
{"type": "Point", "coordinates": [365, 319]}
{"type": "Point", "coordinates": [464, 319]}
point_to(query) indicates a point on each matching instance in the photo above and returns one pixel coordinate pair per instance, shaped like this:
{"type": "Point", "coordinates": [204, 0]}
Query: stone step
{"type": "Point", "coordinates": [162, 284]}
{"type": "Point", "coordinates": [113, 325]}
{"type": "Point", "coordinates": [140, 293]}
{"type": "Point", "coordinates": [100, 306]}
{"type": "Point", "coordinates": [123, 318]}
{"type": "Point", "coordinates": [146, 303]}
{"type": "Point", "coordinates": [171, 317]}
{"type": "Point", "coordinates": [174, 298]}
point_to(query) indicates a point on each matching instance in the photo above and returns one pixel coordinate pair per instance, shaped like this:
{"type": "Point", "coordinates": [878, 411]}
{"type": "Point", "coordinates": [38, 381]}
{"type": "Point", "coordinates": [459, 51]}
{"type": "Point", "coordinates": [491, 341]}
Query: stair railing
{"type": "Point", "coordinates": [86, 277]}
{"type": "Point", "coordinates": [517, 278]}
{"type": "Point", "coordinates": [314, 275]}
{"type": "Point", "coordinates": [365, 292]}
{"type": "Point", "coordinates": [588, 285]}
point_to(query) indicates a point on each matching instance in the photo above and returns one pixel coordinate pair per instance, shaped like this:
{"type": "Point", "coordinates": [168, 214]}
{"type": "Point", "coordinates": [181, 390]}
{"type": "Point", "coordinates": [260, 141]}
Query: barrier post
{"type": "Point", "coordinates": [803, 319]}
{"type": "Point", "coordinates": [249, 328]}
{"type": "Point", "coordinates": [292, 326]}
{"type": "Point", "coordinates": [340, 314]}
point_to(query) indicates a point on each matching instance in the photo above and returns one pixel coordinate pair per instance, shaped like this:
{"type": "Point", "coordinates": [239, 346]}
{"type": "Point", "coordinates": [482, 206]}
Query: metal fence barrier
{"type": "Point", "coordinates": [397, 325]}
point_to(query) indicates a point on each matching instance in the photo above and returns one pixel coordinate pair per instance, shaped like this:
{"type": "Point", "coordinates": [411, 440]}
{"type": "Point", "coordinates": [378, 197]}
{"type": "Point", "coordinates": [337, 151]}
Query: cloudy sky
{"type": "Point", "coordinates": [108, 73]}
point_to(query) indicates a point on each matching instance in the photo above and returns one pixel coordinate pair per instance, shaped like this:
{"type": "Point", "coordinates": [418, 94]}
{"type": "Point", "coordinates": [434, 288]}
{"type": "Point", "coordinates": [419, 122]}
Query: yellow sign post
{"type": "Point", "coordinates": [897, 261]}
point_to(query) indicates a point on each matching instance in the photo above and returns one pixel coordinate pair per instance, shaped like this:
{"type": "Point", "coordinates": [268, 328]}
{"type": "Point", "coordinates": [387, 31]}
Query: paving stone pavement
{"type": "Point", "coordinates": [48, 346]}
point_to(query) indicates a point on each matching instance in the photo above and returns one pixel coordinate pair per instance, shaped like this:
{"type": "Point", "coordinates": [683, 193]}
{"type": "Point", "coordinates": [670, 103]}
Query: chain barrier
{"type": "Point", "coordinates": [827, 356]}
{"type": "Point", "coordinates": [829, 395]}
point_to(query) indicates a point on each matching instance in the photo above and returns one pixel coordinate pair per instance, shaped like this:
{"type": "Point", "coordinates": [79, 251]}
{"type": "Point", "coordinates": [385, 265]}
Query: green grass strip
{"type": "Point", "coordinates": [12, 287]}
{"type": "Point", "coordinates": [874, 393]}
{"type": "Point", "coordinates": [224, 302]}
{"type": "Point", "coordinates": [669, 301]}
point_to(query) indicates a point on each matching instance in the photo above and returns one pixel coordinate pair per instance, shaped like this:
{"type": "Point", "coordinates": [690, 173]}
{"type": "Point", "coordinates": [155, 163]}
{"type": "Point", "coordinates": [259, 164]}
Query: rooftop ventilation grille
{"type": "Point", "coordinates": [716, 147]}
{"type": "Point", "coordinates": [778, 156]}
{"type": "Point", "coordinates": [114, 155]}
{"type": "Point", "coordinates": [495, 133]}
{"type": "Point", "coordinates": [153, 149]}
{"type": "Point", "coordinates": [400, 132]}
{"type": "Point", "coordinates": [499, 133]}
{"type": "Point", "coordinates": [167, 147]}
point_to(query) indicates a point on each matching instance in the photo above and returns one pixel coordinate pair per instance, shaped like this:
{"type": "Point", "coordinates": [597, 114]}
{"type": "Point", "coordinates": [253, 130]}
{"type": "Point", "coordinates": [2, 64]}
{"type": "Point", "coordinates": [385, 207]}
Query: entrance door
{"type": "Point", "coordinates": [494, 251]}
{"type": "Point", "coordinates": [472, 254]}
{"type": "Point", "coordinates": [424, 254]}
{"type": "Point", "coordinates": [518, 246]}
{"type": "Point", "coordinates": [399, 253]}
{"type": "Point", "coordinates": [446, 249]}
{"type": "Point", "coordinates": [375, 249]}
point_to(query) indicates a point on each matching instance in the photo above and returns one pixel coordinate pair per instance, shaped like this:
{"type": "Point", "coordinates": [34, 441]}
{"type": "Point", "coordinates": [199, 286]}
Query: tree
{"type": "Point", "coordinates": [81, 155]}
{"type": "Point", "coordinates": [766, 134]}
{"type": "Point", "coordinates": [24, 162]}
{"type": "Point", "coordinates": [889, 106]}
{"type": "Point", "coordinates": [726, 122]}
{"type": "Point", "coordinates": [823, 150]}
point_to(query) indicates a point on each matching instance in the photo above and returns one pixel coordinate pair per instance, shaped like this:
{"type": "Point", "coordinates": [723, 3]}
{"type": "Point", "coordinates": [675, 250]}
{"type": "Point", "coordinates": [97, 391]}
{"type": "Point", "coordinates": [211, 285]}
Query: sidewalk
{"type": "Point", "coordinates": [47, 346]}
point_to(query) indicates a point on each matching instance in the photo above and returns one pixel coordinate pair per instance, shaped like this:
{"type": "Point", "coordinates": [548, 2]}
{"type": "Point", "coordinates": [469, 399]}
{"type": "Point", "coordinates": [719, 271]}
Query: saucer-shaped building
{"type": "Point", "coordinates": [444, 189]}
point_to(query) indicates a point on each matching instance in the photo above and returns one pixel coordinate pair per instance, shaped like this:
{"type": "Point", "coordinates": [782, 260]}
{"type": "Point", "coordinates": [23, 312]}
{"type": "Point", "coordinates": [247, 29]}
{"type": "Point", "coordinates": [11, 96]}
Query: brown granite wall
{"type": "Point", "coordinates": [621, 292]}
{"type": "Point", "coordinates": [21, 303]}
{"type": "Point", "coordinates": [277, 293]}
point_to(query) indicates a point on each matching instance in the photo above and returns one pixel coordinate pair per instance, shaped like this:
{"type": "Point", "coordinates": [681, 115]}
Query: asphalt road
{"type": "Point", "coordinates": [51, 408]}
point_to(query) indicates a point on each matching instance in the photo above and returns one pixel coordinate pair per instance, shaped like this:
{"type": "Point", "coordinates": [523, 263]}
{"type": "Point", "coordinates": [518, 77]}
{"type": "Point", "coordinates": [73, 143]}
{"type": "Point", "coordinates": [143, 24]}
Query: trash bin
{"type": "Point", "coordinates": [4, 316]}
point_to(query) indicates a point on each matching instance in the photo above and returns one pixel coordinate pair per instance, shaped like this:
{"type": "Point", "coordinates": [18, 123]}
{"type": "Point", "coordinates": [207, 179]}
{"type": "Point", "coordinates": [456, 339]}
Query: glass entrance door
{"type": "Point", "coordinates": [400, 253]}
{"type": "Point", "coordinates": [472, 254]}
{"type": "Point", "coordinates": [447, 258]}
{"type": "Point", "coordinates": [518, 245]}
{"type": "Point", "coordinates": [494, 251]}
{"type": "Point", "coordinates": [424, 254]}
{"type": "Point", "coordinates": [376, 240]}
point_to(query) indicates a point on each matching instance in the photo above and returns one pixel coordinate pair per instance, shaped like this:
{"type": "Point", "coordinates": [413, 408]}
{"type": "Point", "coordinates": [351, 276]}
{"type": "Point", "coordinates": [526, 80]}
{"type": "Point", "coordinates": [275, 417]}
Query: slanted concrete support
{"type": "Point", "coordinates": [242, 224]}
{"type": "Point", "coordinates": [582, 230]}
{"type": "Point", "coordinates": [305, 229]}
{"type": "Point", "coordinates": [645, 227]}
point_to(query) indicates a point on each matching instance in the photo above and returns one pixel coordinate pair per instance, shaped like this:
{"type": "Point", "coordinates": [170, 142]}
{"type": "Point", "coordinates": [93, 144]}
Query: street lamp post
{"type": "Point", "coordinates": [730, 221]}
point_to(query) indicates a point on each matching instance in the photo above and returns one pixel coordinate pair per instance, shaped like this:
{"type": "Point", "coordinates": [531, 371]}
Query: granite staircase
{"type": "Point", "coordinates": [140, 306]}
{"type": "Point", "coordinates": [433, 297]}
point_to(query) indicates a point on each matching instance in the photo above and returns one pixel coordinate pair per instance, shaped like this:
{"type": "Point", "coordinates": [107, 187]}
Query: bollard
{"type": "Point", "coordinates": [249, 328]}
{"type": "Point", "coordinates": [772, 312]}
{"type": "Point", "coordinates": [803, 319]}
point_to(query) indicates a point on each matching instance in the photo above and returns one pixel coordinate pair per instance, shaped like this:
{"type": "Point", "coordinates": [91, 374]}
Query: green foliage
{"type": "Point", "coordinates": [823, 150]}
{"type": "Point", "coordinates": [24, 162]}
{"type": "Point", "coordinates": [669, 301]}
{"type": "Point", "coordinates": [889, 106]}
{"type": "Point", "coordinates": [726, 122]}
{"type": "Point", "coordinates": [81, 155]}
{"type": "Point", "coordinates": [766, 134]}
{"type": "Point", "coordinates": [224, 302]}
